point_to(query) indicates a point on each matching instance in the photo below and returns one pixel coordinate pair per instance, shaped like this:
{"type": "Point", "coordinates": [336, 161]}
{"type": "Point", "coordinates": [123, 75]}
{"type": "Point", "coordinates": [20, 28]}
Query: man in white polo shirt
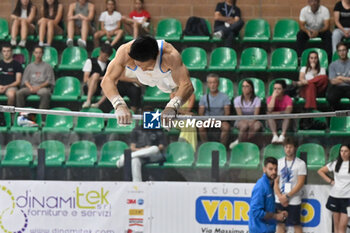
{"type": "Point", "coordinates": [314, 22]}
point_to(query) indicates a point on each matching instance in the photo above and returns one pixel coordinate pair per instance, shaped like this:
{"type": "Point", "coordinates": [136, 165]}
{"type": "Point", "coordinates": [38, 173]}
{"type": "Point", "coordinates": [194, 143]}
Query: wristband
{"type": "Point", "coordinates": [174, 103]}
{"type": "Point", "coordinates": [117, 100]}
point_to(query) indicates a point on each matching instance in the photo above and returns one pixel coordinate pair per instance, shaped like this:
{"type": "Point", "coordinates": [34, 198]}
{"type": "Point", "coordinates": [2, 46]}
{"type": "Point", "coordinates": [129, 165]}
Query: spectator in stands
{"type": "Point", "coordinates": [339, 196]}
{"type": "Point", "coordinates": [80, 17]}
{"type": "Point", "coordinates": [339, 78]}
{"type": "Point", "coordinates": [138, 21]}
{"type": "Point", "coordinates": [215, 103]}
{"type": "Point", "coordinates": [51, 21]}
{"type": "Point", "coordinates": [314, 22]}
{"type": "Point", "coordinates": [312, 80]}
{"type": "Point", "coordinates": [262, 216]}
{"type": "Point", "coordinates": [22, 19]}
{"type": "Point", "coordinates": [290, 180]}
{"type": "Point", "coordinates": [342, 22]}
{"type": "Point", "coordinates": [247, 104]}
{"type": "Point", "coordinates": [228, 21]}
{"type": "Point", "coordinates": [187, 134]}
{"type": "Point", "coordinates": [147, 146]}
{"type": "Point", "coordinates": [279, 103]}
{"type": "Point", "coordinates": [94, 69]}
{"type": "Point", "coordinates": [10, 75]}
{"type": "Point", "coordinates": [39, 79]}
{"type": "Point", "coordinates": [110, 25]}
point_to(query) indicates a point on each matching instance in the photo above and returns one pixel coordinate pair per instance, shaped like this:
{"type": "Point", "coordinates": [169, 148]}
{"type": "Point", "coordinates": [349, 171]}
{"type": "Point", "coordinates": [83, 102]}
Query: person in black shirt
{"type": "Point", "coordinates": [10, 75]}
{"type": "Point", "coordinates": [94, 70]}
{"type": "Point", "coordinates": [228, 21]}
{"type": "Point", "coordinates": [147, 146]}
{"type": "Point", "coordinates": [342, 22]}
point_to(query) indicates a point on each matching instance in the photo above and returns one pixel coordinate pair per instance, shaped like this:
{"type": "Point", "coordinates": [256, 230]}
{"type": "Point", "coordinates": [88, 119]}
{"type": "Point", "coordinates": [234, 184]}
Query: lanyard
{"type": "Point", "coordinates": [285, 162]}
{"type": "Point", "coordinates": [231, 10]}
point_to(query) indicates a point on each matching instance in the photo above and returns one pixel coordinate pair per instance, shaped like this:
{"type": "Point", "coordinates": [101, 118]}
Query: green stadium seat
{"type": "Point", "coordinates": [199, 38]}
{"type": "Point", "coordinates": [340, 126]}
{"type": "Point", "coordinates": [7, 126]}
{"type": "Point", "coordinates": [96, 53]}
{"type": "Point", "coordinates": [18, 153]}
{"type": "Point", "coordinates": [194, 58]}
{"type": "Point", "coordinates": [253, 59]}
{"type": "Point", "coordinates": [285, 30]}
{"type": "Point", "coordinates": [273, 150]}
{"type": "Point", "coordinates": [89, 124]}
{"type": "Point", "coordinates": [82, 154]}
{"type": "Point", "coordinates": [179, 155]}
{"type": "Point", "coordinates": [322, 55]}
{"type": "Point", "coordinates": [315, 155]}
{"type": "Point", "coordinates": [54, 153]}
{"type": "Point", "coordinates": [259, 87]}
{"type": "Point", "coordinates": [89, 38]}
{"type": "Point", "coordinates": [334, 153]}
{"type": "Point", "coordinates": [257, 30]}
{"type": "Point", "coordinates": [154, 94]}
{"type": "Point", "coordinates": [4, 30]}
{"type": "Point", "coordinates": [50, 56]}
{"type": "Point", "coordinates": [226, 86]}
{"type": "Point", "coordinates": [58, 123]}
{"type": "Point", "coordinates": [198, 88]}
{"type": "Point", "coordinates": [24, 51]}
{"type": "Point", "coordinates": [314, 132]}
{"type": "Point", "coordinates": [20, 129]}
{"type": "Point", "coordinates": [73, 59]}
{"type": "Point", "coordinates": [223, 59]}
{"type": "Point", "coordinates": [284, 59]}
{"type": "Point", "coordinates": [67, 88]}
{"type": "Point", "coordinates": [169, 29]}
{"type": "Point", "coordinates": [110, 153]}
{"type": "Point", "coordinates": [114, 127]}
{"type": "Point", "coordinates": [245, 155]}
{"type": "Point", "coordinates": [204, 154]}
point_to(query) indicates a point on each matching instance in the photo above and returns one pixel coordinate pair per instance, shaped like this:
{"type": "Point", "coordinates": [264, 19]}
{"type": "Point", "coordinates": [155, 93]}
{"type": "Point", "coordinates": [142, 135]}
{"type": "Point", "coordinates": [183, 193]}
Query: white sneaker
{"type": "Point", "coordinates": [218, 34]}
{"type": "Point", "coordinates": [69, 43]}
{"type": "Point", "coordinates": [120, 162]}
{"type": "Point", "coordinates": [107, 42]}
{"type": "Point", "coordinates": [13, 42]}
{"type": "Point", "coordinates": [281, 139]}
{"type": "Point", "coordinates": [145, 24]}
{"type": "Point", "coordinates": [22, 43]}
{"type": "Point", "coordinates": [275, 139]}
{"type": "Point", "coordinates": [41, 44]}
{"type": "Point", "coordinates": [86, 104]}
{"type": "Point", "coordinates": [95, 105]}
{"type": "Point", "coordinates": [233, 144]}
{"type": "Point", "coordinates": [81, 43]}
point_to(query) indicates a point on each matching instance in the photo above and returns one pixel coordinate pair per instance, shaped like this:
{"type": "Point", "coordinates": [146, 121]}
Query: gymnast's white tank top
{"type": "Point", "coordinates": [156, 77]}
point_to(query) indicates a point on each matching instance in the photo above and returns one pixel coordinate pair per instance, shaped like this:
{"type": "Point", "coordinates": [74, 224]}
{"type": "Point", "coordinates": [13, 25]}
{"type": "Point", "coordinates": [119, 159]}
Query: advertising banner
{"type": "Point", "coordinates": [122, 207]}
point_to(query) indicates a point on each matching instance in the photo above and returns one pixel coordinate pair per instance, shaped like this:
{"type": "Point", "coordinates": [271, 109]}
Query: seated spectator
{"type": "Point", "coordinates": [38, 79]}
{"type": "Point", "coordinates": [279, 103]}
{"type": "Point", "coordinates": [187, 134]}
{"type": "Point", "coordinates": [339, 78]}
{"type": "Point", "coordinates": [247, 104]}
{"type": "Point", "coordinates": [94, 70]}
{"type": "Point", "coordinates": [312, 80]}
{"type": "Point", "coordinates": [342, 22]}
{"type": "Point", "coordinates": [314, 22]}
{"type": "Point", "coordinates": [228, 21]}
{"type": "Point", "coordinates": [22, 19]}
{"type": "Point", "coordinates": [10, 75]}
{"type": "Point", "coordinates": [80, 18]}
{"type": "Point", "coordinates": [110, 25]}
{"type": "Point", "coordinates": [51, 22]}
{"type": "Point", "coordinates": [215, 103]}
{"type": "Point", "coordinates": [147, 146]}
{"type": "Point", "coordinates": [138, 22]}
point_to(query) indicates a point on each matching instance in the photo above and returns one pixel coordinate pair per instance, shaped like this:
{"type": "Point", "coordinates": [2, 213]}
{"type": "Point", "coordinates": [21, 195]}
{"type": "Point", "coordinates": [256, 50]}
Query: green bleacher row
{"type": "Point", "coordinates": [84, 153]}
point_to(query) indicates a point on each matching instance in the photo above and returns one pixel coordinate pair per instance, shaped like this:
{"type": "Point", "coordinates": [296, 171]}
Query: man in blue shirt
{"type": "Point", "coordinates": [262, 216]}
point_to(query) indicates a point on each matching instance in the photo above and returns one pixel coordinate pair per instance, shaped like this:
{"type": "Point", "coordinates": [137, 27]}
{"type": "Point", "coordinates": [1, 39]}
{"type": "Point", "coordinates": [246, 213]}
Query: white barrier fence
{"type": "Point", "coordinates": [122, 207]}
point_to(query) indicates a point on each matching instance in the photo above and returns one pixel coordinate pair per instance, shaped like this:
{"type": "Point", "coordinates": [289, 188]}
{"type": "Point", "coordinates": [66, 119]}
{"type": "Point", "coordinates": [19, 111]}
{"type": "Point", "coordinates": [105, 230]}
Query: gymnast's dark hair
{"type": "Point", "coordinates": [18, 8]}
{"type": "Point", "coordinates": [144, 48]}
{"type": "Point", "coordinates": [340, 160]}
